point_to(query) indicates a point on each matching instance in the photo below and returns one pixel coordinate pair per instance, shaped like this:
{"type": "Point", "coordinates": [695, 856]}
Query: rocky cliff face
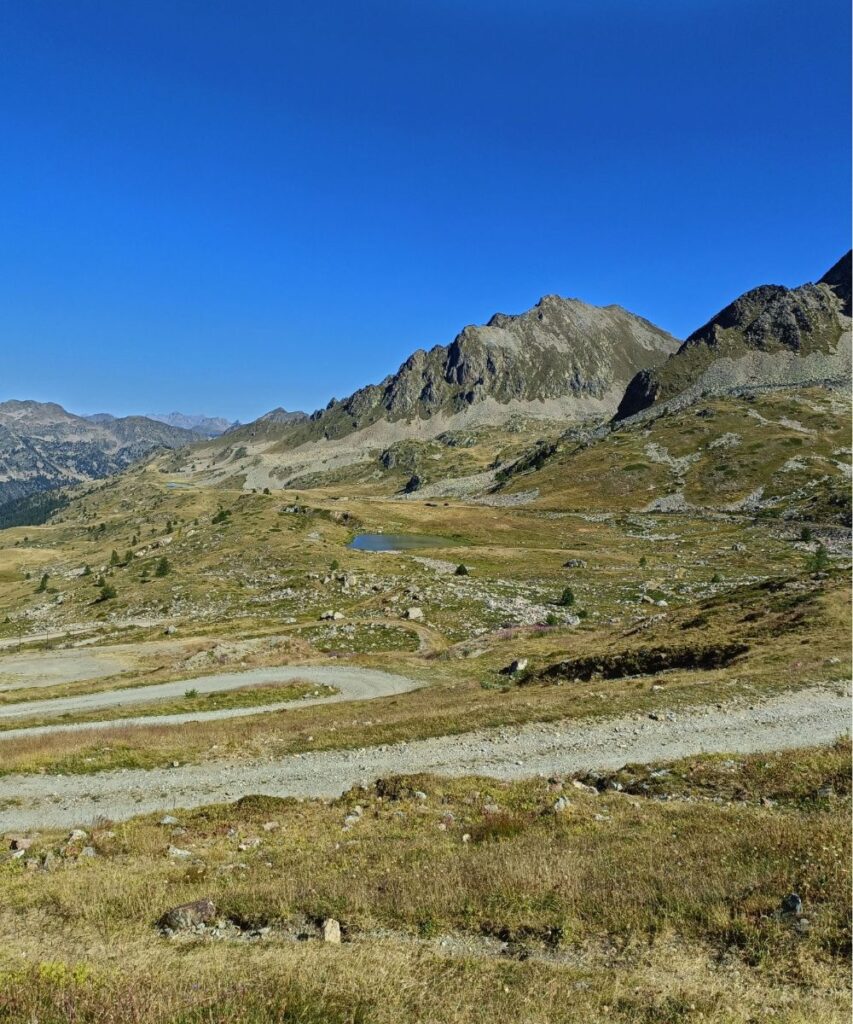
{"type": "Point", "coordinates": [43, 446]}
{"type": "Point", "coordinates": [562, 357]}
{"type": "Point", "coordinates": [770, 336]}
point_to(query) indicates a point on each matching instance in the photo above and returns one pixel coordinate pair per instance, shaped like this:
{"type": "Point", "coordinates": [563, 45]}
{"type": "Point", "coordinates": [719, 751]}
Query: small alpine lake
{"type": "Point", "coordinates": [398, 542]}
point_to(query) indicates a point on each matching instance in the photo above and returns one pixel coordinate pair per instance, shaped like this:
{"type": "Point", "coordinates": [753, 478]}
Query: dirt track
{"type": "Point", "coordinates": [801, 718]}
{"type": "Point", "coordinates": [352, 684]}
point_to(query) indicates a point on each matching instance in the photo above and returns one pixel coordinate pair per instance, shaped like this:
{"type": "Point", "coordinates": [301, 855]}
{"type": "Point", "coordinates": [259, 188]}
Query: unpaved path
{"type": "Point", "coordinates": [802, 718]}
{"type": "Point", "coordinates": [36, 668]}
{"type": "Point", "coordinates": [352, 684]}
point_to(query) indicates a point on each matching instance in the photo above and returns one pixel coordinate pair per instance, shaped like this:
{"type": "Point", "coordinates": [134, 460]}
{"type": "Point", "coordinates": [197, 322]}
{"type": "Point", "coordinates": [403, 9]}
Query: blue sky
{"type": "Point", "coordinates": [227, 206]}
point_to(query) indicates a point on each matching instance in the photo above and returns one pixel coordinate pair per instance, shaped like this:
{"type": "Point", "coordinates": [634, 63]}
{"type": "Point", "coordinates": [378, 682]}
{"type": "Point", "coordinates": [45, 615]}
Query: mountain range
{"type": "Point", "coordinates": [561, 360]}
{"type": "Point", "coordinates": [43, 446]}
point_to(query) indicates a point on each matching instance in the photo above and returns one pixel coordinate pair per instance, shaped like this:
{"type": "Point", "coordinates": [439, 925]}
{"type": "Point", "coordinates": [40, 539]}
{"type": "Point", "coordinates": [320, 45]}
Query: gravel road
{"type": "Point", "coordinates": [802, 718]}
{"type": "Point", "coordinates": [352, 684]}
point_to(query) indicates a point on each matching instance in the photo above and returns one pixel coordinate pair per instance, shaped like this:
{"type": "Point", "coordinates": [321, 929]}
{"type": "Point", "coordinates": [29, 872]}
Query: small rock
{"type": "Point", "coordinates": [88, 851]}
{"type": "Point", "coordinates": [513, 669]}
{"type": "Point", "coordinates": [177, 853]}
{"type": "Point", "coordinates": [270, 826]}
{"type": "Point", "coordinates": [332, 931]}
{"type": "Point", "coordinates": [188, 915]}
{"type": "Point", "coordinates": [168, 820]}
{"type": "Point", "coordinates": [561, 804]}
{"type": "Point", "coordinates": [21, 843]}
{"type": "Point", "coordinates": [792, 904]}
{"type": "Point", "coordinates": [414, 614]}
{"type": "Point", "coordinates": [77, 835]}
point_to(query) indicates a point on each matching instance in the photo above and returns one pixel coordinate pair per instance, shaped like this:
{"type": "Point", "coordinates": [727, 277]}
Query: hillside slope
{"type": "Point", "coordinates": [771, 336]}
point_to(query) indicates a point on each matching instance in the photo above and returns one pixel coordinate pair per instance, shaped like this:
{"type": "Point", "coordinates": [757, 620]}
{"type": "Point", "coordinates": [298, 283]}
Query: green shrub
{"type": "Point", "coordinates": [818, 561]}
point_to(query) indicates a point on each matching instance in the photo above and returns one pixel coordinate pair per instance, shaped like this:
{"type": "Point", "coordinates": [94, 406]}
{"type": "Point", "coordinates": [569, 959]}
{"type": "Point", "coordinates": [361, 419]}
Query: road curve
{"type": "Point", "coordinates": [351, 682]}
{"type": "Point", "coordinates": [808, 717]}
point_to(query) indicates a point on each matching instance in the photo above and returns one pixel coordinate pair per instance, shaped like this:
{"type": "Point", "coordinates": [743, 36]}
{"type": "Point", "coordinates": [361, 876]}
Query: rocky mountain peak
{"type": "Point", "coordinates": [769, 336]}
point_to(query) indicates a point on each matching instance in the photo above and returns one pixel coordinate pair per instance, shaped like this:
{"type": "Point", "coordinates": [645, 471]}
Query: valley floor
{"type": "Point", "coordinates": [583, 759]}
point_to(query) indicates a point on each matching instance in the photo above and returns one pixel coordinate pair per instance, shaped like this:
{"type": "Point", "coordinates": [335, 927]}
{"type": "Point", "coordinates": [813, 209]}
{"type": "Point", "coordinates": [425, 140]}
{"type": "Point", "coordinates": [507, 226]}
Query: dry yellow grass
{"type": "Point", "coordinates": [620, 907]}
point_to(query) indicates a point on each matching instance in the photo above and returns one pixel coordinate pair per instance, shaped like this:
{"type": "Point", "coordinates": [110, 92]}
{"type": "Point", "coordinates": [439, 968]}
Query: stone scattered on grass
{"type": "Point", "coordinates": [188, 915]}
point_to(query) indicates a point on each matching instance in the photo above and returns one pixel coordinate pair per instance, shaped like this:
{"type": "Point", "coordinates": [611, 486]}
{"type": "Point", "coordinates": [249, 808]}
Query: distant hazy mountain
{"type": "Point", "coordinates": [43, 446]}
{"type": "Point", "coordinates": [769, 337]}
{"type": "Point", "coordinates": [280, 415]}
{"type": "Point", "coordinates": [207, 426]}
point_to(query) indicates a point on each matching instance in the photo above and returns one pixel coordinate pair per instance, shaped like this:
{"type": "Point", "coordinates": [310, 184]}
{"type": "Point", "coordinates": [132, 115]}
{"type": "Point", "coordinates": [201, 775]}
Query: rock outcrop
{"type": "Point", "coordinates": [771, 336]}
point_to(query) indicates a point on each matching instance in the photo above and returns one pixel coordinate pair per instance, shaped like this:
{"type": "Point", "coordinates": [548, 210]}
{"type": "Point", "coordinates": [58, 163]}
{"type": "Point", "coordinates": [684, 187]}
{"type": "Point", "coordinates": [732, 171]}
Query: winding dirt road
{"type": "Point", "coordinates": [352, 684]}
{"type": "Point", "coordinates": [807, 717]}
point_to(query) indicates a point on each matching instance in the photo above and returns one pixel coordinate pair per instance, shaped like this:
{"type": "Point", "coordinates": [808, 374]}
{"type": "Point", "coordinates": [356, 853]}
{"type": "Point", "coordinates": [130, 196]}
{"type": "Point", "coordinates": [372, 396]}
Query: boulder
{"type": "Point", "coordinates": [188, 915]}
{"type": "Point", "coordinates": [414, 614]}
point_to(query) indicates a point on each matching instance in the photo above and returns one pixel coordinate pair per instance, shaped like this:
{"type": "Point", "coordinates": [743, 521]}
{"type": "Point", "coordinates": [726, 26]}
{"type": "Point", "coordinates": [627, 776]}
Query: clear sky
{"type": "Point", "coordinates": [230, 205]}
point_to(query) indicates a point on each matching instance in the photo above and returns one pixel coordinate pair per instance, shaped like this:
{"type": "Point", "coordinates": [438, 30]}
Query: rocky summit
{"type": "Point", "coordinates": [771, 336]}
{"type": "Point", "coordinates": [563, 357]}
{"type": "Point", "coordinates": [562, 360]}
